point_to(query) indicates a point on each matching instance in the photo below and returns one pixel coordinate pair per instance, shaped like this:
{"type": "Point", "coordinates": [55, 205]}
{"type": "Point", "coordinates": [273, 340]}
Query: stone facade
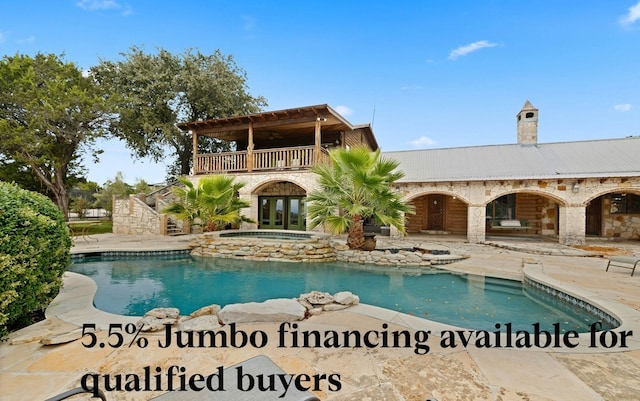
{"type": "Point", "coordinates": [568, 198]}
{"type": "Point", "coordinates": [316, 249]}
{"type": "Point", "coordinates": [133, 216]}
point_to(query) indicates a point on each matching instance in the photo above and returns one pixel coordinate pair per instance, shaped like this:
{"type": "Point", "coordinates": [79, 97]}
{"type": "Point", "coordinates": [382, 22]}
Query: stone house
{"type": "Point", "coordinates": [566, 190]}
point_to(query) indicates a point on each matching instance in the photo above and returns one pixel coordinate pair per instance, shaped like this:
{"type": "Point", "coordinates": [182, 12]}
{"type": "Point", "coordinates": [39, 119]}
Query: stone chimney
{"type": "Point", "coordinates": [528, 125]}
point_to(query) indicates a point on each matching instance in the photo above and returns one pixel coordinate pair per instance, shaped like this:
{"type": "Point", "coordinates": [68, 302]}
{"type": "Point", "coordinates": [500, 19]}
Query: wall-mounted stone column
{"type": "Point", "coordinates": [476, 224]}
{"type": "Point", "coordinates": [572, 225]}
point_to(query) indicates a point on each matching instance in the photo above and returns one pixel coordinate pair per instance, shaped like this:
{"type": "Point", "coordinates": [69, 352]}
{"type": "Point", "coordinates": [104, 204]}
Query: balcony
{"type": "Point", "coordinates": [291, 158]}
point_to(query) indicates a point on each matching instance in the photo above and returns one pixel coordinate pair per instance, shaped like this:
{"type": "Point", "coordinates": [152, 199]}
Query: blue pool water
{"type": "Point", "coordinates": [132, 286]}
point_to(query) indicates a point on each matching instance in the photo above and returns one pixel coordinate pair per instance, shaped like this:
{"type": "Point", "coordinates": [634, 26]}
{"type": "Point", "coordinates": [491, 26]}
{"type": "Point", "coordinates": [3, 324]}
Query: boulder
{"type": "Point", "coordinates": [333, 307]}
{"type": "Point", "coordinates": [206, 310]}
{"type": "Point", "coordinates": [150, 323]}
{"type": "Point", "coordinates": [200, 323]}
{"type": "Point", "coordinates": [346, 298]}
{"type": "Point", "coordinates": [164, 313]}
{"type": "Point", "coordinates": [304, 303]}
{"type": "Point", "coordinates": [273, 310]}
{"type": "Point", "coordinates": [64, 337]}
{"type": "Point", "coordinates": [317, 297]}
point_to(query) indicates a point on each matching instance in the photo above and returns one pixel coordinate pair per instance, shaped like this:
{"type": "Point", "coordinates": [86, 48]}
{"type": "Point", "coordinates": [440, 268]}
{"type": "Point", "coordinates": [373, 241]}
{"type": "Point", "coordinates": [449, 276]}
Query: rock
{"type": "Point", "coordinates": [273, 310]}
{"type": "Point", "coordinates": [64, 337]}
{"type": "Point", "coordinates": [334, 307]}
{"type": "Point", "coordinates": [317, 297]}
{"type": "Point", "coordinates": [44, 328]}
{"type": "Point", "coordinates": [346, 298]}
{"type": "Point", "coordinates": [150, 323]}
{"type": "Point", "coordinates": [164, 313]}
{"type": "Point", "coordinates": [206, 310]}
{"type": "Point", "coordinates": [200, 323]}
{"type": "Point", "coordinates": [305, 303]}
{"type": "Point", "coordinates": [314, 311]}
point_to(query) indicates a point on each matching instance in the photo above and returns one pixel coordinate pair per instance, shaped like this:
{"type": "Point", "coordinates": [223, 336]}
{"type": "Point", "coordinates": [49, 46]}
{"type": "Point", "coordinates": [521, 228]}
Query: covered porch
{"type": "Point", "coordinates": [289, 139]}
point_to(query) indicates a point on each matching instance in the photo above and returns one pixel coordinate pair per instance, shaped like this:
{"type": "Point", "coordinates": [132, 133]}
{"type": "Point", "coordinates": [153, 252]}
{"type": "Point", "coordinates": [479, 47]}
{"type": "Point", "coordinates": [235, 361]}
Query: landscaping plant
{"type": "Point", "coordinates": [214, 202]}
{"type": "Point", "coordinates": [34, 254]}
{"type": "Point", "coordinates": [357, 185]}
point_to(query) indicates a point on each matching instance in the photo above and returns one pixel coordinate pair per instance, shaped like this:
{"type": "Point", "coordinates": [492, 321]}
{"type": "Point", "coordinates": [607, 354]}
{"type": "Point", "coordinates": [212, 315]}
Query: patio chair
{"type": "Point", "coordinates": [260, 364]}
{"type": "Point", "coordinates": [626, 262]}
{"type": "Point", "coordinates": [75, 391]}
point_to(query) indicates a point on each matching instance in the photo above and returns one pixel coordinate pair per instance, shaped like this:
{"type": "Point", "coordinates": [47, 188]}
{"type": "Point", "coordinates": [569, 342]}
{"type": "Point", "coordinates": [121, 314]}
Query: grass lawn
{"type": "Point", "coordinates": [94, 227]}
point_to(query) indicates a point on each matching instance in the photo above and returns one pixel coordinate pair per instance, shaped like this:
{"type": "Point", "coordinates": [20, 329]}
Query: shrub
{"type": "Point", "coordinates": [34, 253]}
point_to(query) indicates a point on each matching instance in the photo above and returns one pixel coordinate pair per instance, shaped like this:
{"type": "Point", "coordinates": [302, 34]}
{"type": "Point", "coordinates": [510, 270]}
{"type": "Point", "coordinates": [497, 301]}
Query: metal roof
{"type": "Point", "coordinates": [580, 159]}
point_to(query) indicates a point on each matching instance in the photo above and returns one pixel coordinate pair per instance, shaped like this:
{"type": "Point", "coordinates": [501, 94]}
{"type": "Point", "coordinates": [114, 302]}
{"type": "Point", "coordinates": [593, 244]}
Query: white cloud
{"type": "Point", "coordinates": [344, 110]}
{"type": "Point", "coordinates": [92, 5]}
{"type": "Point", "coordinates": [472, 47]}
{"type": "Point", "coordinates": [97, 4]}
{"type": "Point", "coordinates": [622, 107]}
{"type": "Point", "coordinates": [632, 16]}
{"type": "Point", "coordinates": [422, 142]}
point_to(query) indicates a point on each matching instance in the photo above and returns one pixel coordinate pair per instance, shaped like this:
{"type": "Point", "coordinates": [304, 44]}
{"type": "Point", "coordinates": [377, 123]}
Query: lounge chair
{"type": "Point", "coordinates": [260, 364]}
{"type": "Point", "coordinates": [626, 262]}
{"type": "Point", "coordinates": [75, 391]}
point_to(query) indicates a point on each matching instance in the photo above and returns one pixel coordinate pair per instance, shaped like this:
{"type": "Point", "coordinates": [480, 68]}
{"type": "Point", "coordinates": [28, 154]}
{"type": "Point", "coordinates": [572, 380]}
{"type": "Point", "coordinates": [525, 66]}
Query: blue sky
{"type": "Point", "coordinates": [427, 74]}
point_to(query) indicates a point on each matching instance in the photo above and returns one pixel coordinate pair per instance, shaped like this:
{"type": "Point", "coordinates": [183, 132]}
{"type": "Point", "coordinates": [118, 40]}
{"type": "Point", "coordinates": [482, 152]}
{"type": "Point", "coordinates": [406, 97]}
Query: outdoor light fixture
{"type": "Point", "coordinates": [576, 187]}
{"type": "Point", "coordinates": [321, 119]}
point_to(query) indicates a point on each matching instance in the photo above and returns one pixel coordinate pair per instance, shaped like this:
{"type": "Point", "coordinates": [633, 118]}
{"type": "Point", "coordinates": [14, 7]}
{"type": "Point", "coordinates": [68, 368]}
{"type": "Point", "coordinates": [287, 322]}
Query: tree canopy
{"type": "Point", "coordinates": [49, 114]}
{"type": "Point", "coordinates": [356, 185]}
{"type": "Point", "coordinates": [154, 92]}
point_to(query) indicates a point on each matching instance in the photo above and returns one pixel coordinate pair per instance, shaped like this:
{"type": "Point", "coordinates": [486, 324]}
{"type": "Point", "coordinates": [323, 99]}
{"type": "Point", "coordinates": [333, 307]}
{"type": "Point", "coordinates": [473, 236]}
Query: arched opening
{"type": "Point", "coordinates": [437, 213]}
{"type": "Point", "coordinates": [614, 215]}
{"type": "Point", "coordinates": [522, 214]}
{"type": "Point", "coordinates": [281, 205]}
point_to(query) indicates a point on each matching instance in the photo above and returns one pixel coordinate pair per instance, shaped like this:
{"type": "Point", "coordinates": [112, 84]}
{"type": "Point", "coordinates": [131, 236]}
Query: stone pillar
{"type": "Point", "coordinates": [476, 224]}
{"type": "Point", "coordinates": [572, 225]}
{"type": "Point", "coordinates": [163, 224]}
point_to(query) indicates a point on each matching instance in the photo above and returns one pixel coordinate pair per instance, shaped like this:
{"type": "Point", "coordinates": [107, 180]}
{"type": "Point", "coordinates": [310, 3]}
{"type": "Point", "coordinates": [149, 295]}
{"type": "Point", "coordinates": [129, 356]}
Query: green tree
{"type": "Point", "coordinates": [356, 185]}
{"type": "Point", "coordinates": [116, 187]}
{"type": "Point", "coordinates": [214, 202]}
{"type": "Point", "coordinates": [49, 114]}
{"type": "Point", "coordinates": [34, 254]}
{"type": "Point", "coordinates": [157, 91]}
{"type": "Point", "coordinates": [21, 174]}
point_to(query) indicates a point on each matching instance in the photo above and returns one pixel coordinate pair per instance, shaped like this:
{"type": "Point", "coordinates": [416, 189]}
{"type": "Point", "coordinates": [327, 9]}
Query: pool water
{"type": "Point", "coordinates": [132, 286]}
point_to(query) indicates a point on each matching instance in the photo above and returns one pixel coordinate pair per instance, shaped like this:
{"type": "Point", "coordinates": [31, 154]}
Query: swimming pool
{"type": "Point", "coordinates": [134, 285]}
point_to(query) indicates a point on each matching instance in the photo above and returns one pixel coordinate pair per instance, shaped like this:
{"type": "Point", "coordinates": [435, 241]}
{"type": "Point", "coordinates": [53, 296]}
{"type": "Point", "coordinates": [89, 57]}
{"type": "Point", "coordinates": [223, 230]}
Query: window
{"type": "Point", "coordinates": [625, 204]}
{"type": "Point", "coordinates": [503, 208]}
{"type": "Point", "coordinates": [529, 115]}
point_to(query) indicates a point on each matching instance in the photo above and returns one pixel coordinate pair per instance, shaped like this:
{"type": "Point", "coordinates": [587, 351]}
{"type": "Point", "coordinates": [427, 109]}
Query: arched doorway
{"type": "Point", "coordinates": [281, 206]}
{"type": "Point", "coordinates": [614, 215]}
{"type": "Point", "coordinates": [437, 213]}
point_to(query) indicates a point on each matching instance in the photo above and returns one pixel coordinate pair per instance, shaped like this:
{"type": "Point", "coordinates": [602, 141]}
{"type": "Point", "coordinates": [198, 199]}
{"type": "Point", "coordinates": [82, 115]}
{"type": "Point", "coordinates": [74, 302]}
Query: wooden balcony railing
{"type": "Point", "coordinates": [300, 157]}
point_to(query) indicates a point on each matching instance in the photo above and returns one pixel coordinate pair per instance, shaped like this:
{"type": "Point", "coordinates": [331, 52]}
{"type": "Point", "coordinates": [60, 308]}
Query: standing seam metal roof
{"type": "Point", "coordinates": [580, 159]}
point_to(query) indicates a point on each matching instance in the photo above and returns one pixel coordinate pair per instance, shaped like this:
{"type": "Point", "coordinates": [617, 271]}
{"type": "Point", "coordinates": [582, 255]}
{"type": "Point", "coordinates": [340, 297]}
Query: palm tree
{"type": "Point", "coordinates": [356, 185]}
{"type": "Point", "coordinates": [214, 202]}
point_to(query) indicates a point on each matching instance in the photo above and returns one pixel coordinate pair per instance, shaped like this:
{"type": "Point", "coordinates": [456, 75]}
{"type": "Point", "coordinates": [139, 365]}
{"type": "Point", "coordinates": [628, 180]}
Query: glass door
{"type": "Point", "coordinates": [272, 212]}
{"type": "Point", "coordinates": [296, 214]}
{"type": "Point", "coordinates": [282, 212]}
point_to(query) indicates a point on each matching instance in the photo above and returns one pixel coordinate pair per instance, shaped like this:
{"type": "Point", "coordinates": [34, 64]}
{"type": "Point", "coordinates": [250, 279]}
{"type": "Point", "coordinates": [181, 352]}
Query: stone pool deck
{"type": "Point", "coordinates": [31, 371]}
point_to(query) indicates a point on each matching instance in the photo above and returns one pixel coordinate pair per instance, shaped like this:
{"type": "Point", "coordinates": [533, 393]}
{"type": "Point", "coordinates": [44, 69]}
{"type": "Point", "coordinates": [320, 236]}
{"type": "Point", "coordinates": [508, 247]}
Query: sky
{"type": "Point", "coordinates": [425, 74]}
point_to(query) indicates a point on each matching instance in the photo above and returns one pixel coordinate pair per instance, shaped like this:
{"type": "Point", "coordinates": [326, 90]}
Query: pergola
{"type": "Point", "coordinates": [291, 138]}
